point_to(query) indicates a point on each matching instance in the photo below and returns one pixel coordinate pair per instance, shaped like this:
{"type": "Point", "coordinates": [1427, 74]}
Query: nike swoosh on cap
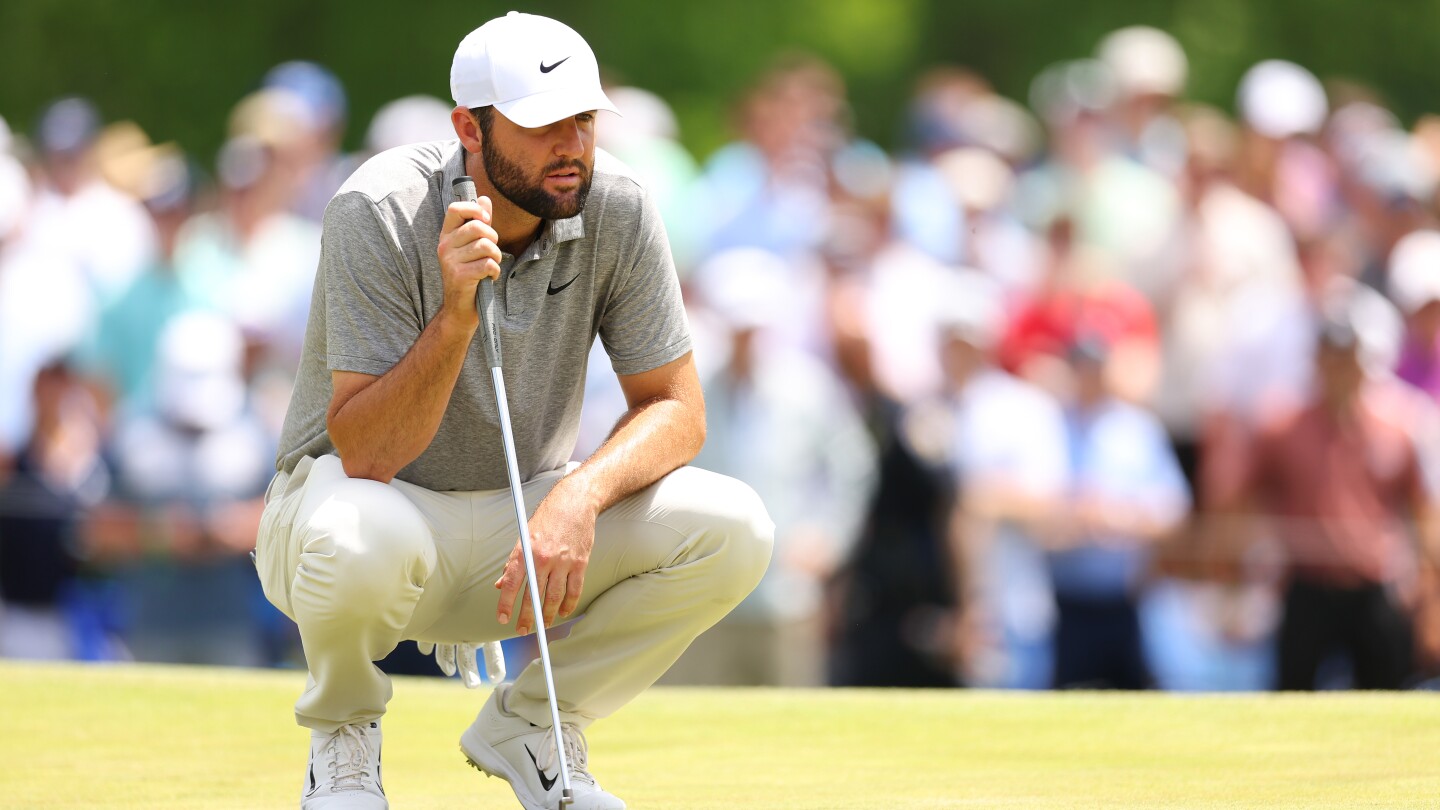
{"type": "Point", "coordinates": [544, 69]}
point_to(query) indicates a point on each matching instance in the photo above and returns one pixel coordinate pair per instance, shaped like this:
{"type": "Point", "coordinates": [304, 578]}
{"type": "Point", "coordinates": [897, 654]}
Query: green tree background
{"type": "Point", "coordinates": [177, 67]}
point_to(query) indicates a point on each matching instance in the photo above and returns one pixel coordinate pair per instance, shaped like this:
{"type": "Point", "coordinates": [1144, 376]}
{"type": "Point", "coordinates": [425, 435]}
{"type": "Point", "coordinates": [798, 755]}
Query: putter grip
{"type": "Point", "coordinates": [464, 190]}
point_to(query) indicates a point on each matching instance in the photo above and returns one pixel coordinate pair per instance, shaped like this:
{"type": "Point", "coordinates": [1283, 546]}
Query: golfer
{"type": "Point", "coordinates": [390, 516]}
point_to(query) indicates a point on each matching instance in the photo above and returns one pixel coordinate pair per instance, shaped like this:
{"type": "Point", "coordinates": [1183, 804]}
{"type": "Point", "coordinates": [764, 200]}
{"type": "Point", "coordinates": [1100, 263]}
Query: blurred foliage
{"type": "Point", "coordinates": [177, 67]}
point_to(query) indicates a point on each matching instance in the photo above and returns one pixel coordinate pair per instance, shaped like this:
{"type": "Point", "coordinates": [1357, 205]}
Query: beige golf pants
{"type": "Point", "coordinates": [361, 566]}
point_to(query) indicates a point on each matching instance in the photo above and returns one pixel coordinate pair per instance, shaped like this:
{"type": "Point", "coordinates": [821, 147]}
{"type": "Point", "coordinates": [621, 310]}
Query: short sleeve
{"type": "Point", "coordinates": [372, 316]}
{"type": "Point", "coordinates": [1013, 436]}
{"type": "Point", "coordinates": [1167, 492]}
{"type": "Point", "coordinates": [643, 325]}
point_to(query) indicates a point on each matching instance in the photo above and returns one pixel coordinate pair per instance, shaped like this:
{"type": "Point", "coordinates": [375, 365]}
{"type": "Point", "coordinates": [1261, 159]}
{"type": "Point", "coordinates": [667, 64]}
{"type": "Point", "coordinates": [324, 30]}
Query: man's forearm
{"type": "Point", "coordinates": [652, 439]}
{"type": "Point", "coordinates": [389, 423]}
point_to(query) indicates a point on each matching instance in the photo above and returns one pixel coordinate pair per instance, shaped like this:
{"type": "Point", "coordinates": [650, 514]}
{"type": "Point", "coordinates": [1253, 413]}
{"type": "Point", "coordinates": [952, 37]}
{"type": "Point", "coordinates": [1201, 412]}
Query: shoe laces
{"type": "Point", "coordinates": [350, 758]}
{"type": "Point", "coordinates": [577, 752]}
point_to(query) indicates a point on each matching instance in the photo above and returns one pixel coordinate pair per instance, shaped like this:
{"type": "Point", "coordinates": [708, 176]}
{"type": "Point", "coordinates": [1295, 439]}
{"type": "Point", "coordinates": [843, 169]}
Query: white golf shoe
{"type": "Point", "coordinates": [345, 770]}
{"type": "Point", "coordinates": [506, 745]}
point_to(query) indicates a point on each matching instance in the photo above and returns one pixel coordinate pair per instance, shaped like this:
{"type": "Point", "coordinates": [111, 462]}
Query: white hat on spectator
{"type": "Point", "coordinates": [1378, 327]}
{"type": "Point", "coordinates": [1415, 270]}
{"type": "Point", "coordinates": [1397, 166]}
{"type": "Point", "coordinates": [1146, 61]}
{"type": "Point", "coordinates": [647, 118]}
{"type": "Point", "coordinates": [1280, 99]}
{"type": "Point", "coordinates": [1352, 126]}
{"type": "Point", "coordinates": [746, 287]}
{"type": "Point", "coordinates": [1002, 126]}
{"type": "Point", "coordinates": [412, 119]}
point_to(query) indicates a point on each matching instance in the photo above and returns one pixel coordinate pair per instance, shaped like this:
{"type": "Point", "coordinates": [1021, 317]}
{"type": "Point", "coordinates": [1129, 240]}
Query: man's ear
{"type": "Point", "coordinates": [467, 129]}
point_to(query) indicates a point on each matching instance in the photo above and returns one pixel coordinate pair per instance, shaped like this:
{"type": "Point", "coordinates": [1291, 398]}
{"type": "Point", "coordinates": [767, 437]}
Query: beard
{"type": "Point", "coordinates": [529, 195]}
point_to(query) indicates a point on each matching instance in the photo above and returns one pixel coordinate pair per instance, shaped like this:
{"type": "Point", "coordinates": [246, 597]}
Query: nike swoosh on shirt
{"type": "Point", "coordinates": [545, 69]}
{"type": "Point", "coordinates": [545, 783]}
{"type": "Point", "coordinates": [551, 289]}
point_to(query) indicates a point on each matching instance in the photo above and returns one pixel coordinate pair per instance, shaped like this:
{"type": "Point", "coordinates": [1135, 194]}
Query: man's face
{"type": "Point", "coordinates": [1339, 370]}
{"type": "Point", "coordinates": [545, 171]}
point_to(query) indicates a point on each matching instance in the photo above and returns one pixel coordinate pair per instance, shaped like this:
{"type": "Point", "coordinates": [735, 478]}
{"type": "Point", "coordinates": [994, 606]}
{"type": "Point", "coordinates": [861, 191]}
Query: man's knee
{"type": "Point", "coordinates": [741, 536]}
{"type": "Point", "coordinates": [366, 541]}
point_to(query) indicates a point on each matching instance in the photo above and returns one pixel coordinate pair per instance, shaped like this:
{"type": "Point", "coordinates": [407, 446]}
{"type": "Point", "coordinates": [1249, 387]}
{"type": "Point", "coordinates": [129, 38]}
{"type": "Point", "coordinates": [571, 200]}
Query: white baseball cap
{"type": "Point", "coordinates": [533, 69]}
{"type": "Point", "coordinates": [1415, 270]}
{"type": "Point", "coordinates": [1145, 60]}
{"type": "Point", "coordinates": [1281, 99]}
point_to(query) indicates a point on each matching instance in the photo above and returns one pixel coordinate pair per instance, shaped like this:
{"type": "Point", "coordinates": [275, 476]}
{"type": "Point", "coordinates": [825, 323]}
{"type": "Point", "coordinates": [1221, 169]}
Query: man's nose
{"type": "Point", "coordinates": [570, 142]}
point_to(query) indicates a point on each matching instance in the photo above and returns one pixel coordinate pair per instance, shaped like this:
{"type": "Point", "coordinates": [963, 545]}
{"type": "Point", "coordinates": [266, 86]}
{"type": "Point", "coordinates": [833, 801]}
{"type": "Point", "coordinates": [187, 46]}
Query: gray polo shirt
{"type": "Point", "coordinates": [607, 272]}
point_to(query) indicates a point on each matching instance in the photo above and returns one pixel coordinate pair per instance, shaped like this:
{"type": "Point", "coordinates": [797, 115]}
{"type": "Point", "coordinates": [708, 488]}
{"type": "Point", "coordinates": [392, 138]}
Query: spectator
{"type": "Point", "coordinates": [252, 259]}
{"type": "Point", "coordinates": [646, 138]}
{"type": "Point", "coordinates": [412, 119]}
{"type": "Point", "coordinates": [1126, 493]}
{"type": "Point", "coordinates": [30, 335]}
{"type": "Point", "coordinates": [770, 190]}
{"type": "Point", "coordinates": [896, 592]}
{"type": "Point", "coordinates": [1150, 71]}
{"type": "Point", "coordinates": [74, 190]}
{"type": "Point", "coordinates": [121, 348]}
{"type": "Point", "coordinates": [1072, 299]}
{"type": "Point", "coordinates": [1415, 288]}
{"type": "Point", "coordinates": [1343, 477]}
{"type": "Point", "coordinates": [19, 358]}
{"type": "Point", "coordinates": [194, 468]}
{"type": "Point", "coordinates": [1283, 105]}
{"type": "Point", "coordinates": [1004, 440]}
{"type": "Point", "coordinates": [780, 420]}
{"type": "Point", "coordinates": [57, 477]}
{"type": "Point", "coordinates": [996, 243]}
{"type": "Point", "coordinates": [1235, 244]}
{"type": "Point", "coordinates": [309, 148]}
{"type": "Point", "coordinates": [1122, 211]}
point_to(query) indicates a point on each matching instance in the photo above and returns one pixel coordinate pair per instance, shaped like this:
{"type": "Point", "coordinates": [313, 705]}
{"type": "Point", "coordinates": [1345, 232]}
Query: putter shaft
{"type": "Point", "coordinates": [464, 190]}
{"type": "Point", "coordinates": [522, 520]}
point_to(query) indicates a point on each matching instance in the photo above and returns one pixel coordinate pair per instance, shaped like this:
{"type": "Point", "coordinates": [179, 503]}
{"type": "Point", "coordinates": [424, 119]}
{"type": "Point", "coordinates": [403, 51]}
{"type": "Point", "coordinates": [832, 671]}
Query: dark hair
{"type": "Point", "coordinates": [1337, 331]}
{"type": "Point", "coordinates": [486, 118]}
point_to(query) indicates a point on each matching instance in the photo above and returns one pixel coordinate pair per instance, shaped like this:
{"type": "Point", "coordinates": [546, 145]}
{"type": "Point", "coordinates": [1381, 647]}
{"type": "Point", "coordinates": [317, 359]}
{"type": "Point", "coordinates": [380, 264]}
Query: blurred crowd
{"type": "Point", "coordinates": [1108, 388]}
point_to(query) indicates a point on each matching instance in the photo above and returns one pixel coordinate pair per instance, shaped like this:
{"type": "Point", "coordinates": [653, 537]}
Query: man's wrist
{"type": "Point", "coordinates": [457, 324]}
{"type": "Point", "coordinates": [572, 492]}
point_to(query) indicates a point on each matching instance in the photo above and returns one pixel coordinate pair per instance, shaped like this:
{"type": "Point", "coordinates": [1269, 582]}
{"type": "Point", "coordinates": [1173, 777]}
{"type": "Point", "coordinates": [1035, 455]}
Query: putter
{"type": "Point", "coordinates": [464, 191]}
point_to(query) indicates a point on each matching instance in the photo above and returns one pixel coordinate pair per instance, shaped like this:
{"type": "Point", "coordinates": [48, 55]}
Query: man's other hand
{"type": "Point", "coordinates": [562, 533]}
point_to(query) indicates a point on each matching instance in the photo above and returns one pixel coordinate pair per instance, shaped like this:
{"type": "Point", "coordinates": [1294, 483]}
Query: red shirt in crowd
{"type": "Point", "coordinates": [1343, 486]}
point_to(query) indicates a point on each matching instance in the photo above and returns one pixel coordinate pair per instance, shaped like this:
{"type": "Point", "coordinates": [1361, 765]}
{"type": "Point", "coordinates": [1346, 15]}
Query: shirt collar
{"type": "Point", "coordinates": [554, 231]}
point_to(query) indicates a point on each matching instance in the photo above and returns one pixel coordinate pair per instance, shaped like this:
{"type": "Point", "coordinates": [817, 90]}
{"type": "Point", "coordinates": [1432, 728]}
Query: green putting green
{"type": "Point", "coordinates": [74, 736]}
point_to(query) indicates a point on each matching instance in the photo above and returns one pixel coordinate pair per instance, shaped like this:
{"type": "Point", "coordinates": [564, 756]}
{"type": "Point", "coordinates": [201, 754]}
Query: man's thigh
{"type": "Point", "coordinates": [645, 532]}
{"type": "Point", "coordinates": [286, 527]}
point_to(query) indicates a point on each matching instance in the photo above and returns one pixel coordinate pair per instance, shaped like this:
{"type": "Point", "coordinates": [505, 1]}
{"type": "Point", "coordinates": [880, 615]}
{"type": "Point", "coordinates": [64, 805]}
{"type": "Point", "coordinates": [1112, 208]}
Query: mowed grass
{"type": "Point", "coordinates": [75, 736]}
